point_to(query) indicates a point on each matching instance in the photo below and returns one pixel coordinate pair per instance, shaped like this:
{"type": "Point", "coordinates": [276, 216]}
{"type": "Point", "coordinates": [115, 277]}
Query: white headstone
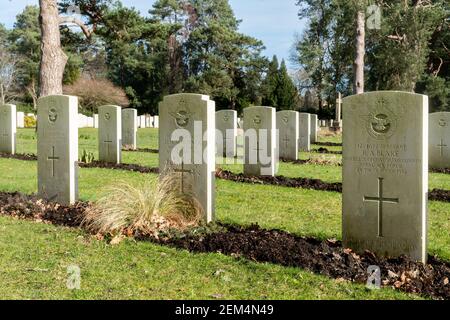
{"type": "Point", "coordinates": [142, 123]}
{"type": "Point", "coordinates": [151, 122]}
{"type": "Point", "coordinates": [96, 121]}
{"type": "Point", "coordinates": [129, 128]}
{"type": "Point", "coordinates": [188, 120]}
{"type": "Point", "coordinates": [8, 128]}
{"type": "Point", "coordinates": [314, 128]}
{"type": "Point", "coordinates": [385, 173]}
{"type": "Point", "coordinates": [110, 134]}
{"type": "Point", "coordinates": [90, 122]}
{"type": "Point", "coordinates": [82, 121]}
{"type": "Point", "coordinates": [226, 129]}
{"type": "Point", "coordinates": [57, 148]}
{"type": "Point", "coordinates": [260, 141]}
{"type": "Point", "coordinates": [305, 132]}
{"type": "Point", "coordinates": [288, 133]}
{"type": "Point", "coordinates": [338, 107]}
{"type": "Point", "coordinates": [156, 121]}
{"type": "Point", "coordinates": [20, 120]}
{"type": "Point", "coordinates": [439, 146]}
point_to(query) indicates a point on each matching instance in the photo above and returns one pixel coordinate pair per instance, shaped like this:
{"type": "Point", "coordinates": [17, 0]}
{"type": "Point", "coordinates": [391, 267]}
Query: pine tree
{"type": "Point", "coordinates": [285, 92]}
{"type": "Point", "coordinates": [270, 84]}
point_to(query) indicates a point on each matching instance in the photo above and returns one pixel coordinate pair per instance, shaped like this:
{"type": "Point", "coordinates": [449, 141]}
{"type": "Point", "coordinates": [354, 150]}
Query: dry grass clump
{"type": "Point", "coordinates": [325, 160]}
{"type": "Point", "coordinates": [145, 209]}
{"type": "Point", "coordinates": [328, 133]}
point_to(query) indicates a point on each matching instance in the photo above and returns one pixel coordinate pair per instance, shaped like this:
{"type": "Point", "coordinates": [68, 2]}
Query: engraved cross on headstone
{"type": "Point", "coordinates": [286, 141]}
{"type": "Point", "coordinates": [258, 149]}
{"type": "Point", "coordinates": [441, 147]}
{"type": "Point", "coordinates": [380, 200]}
{"type": "Point", "coordinates": [108, 141]}
{"type": "Point", "coordinates": [5, 135]}
{"type": "Point", "coordinates": [182, 171]}
{"type": "Point", "coordinates": [129, 134]}
{"type": "Point", "coordinates": [53, 158]}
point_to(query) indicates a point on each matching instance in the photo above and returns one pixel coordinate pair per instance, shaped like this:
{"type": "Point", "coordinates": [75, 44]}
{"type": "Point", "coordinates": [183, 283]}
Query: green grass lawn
{"type": "Point", "coordinates": [34, 256]}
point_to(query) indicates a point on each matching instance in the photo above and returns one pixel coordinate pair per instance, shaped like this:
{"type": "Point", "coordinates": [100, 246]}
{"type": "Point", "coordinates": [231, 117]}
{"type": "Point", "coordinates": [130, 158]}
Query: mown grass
{"type": "Point", "coordinates": [34, 257]}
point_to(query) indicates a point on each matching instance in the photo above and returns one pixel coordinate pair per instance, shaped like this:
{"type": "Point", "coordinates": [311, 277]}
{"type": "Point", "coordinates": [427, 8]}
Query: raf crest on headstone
{"type": "Point", "coordinates": [381, 123]}
{"type": "Point", "coordinates": [442, 123]}
{"type": "Point", "coordinates": [107, 116]}
{"type": "Point", "coordinates": [181, 118]}
{"type": "Point", "coordinates": [257, 120]}
{"type": "Point", "coordinates": [286, 119]}
{"type": "Point", "coordinates": [52, 115]}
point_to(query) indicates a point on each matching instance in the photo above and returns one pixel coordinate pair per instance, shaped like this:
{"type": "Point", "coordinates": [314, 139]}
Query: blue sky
{"type": "Point", "coordinates": [273, 21]}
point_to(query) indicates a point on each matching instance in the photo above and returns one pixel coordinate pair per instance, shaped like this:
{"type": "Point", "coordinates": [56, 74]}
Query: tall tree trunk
{"type": "Point", "coordinates": [358, 65]}
{"type": "Point", "coordinates": [53, 58]}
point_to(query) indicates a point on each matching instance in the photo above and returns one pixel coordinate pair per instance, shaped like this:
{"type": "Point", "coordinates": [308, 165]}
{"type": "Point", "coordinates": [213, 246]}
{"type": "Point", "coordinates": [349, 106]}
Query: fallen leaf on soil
{"type": "Point", "coordinates": [392, 274]}
{"type": "Point", "coordinates": [117, 239]}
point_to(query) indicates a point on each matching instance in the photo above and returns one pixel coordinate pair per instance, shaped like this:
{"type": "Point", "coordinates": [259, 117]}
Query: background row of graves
{"type": "Point", "coordinates": [385, 156]}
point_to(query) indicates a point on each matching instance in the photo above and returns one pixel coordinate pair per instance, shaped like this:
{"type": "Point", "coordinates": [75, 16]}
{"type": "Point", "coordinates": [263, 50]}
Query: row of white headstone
{"type": "Point", "coordinates": [147, 121]}
{"type": "Point", "coordinates": [296, 131]}
{"type": "Point", "coordinates": [87, 122]}
{"type": "Point", "coordinates": [385, 158]}
{"type": "Point", "coordinates": [144, 121]}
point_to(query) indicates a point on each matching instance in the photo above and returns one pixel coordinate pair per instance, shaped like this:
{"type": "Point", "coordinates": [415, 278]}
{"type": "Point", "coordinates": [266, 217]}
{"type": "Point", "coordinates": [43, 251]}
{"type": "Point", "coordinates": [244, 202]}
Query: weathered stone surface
{"type": "Point", "coordinates": [8, 128]}
{"type": "Point", "coordinates": [260, 141]}
{"type": "Point", "coordinates": [110, 134]}
{"type": "Point", "coordinates": [226, 133]}
{"type": "Point", "coordinates": [288, 133]}
{"type": "Point", "coordinates": [57, 148]}
{"type": "Point", "coordinates": [385, 173]}
{"type": "Point", "coordinates": [187, 145]}
{"type": "Point", "coordinates": [439, 141]}
{"type": "Point", "coordinates": [129, 128]}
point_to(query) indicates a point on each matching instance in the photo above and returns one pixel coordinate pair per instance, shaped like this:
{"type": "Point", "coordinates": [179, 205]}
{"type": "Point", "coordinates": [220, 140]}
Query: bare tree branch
{"type": "Point", "coordinates": [67, 19]}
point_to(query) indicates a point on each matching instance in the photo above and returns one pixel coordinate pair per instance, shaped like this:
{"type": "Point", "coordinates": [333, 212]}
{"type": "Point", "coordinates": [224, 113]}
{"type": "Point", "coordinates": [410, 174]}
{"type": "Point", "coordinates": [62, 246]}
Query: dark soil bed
{"type": "Point", "coordinates": [145, 150]}
{"type": "Point", "coordinates": [325, 151]}
{"type": "Point", "coordinates": [443, 170]}
{"type": "Point", "coordinates": [31, 207]}
{"type": "Point", "coordinates": [322, 257]}
{"type": "Point", "coordinates": [328, 144]}
{"type": "Point", "coordinates": [121, 166]}
{"type": "Point", "coordinates": [24, 157]}
{"type": "Point", "coordinates": [279, 247]}
{"type": "Point", "coordinates": [306, 183]}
